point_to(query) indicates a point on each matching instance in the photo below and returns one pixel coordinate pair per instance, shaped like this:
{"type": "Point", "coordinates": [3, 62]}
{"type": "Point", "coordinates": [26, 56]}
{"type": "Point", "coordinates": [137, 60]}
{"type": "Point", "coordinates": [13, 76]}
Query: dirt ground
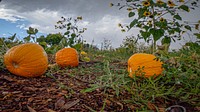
{"type": "Point", "coordinates": [45, 94]}
{"type": "Point", "coordinates": [62, 94]}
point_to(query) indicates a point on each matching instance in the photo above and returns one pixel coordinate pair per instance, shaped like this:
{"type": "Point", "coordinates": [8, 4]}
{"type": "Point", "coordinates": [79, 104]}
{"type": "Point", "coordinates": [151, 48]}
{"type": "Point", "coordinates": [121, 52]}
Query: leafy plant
{"type": "Point", "coordinates": [31, 35]}
{"type": "Point", "coordinates": [182, 72]}
{"type": "Point", "coordinates": [130, 43]}
{"type": "Point", "coordinates": [158, 19]}
{"type": "Point", "coordinates": [73, 37]}
{"type": "Point", "coordinates": [106, 44]}
{"type": "Point", "coordinates": [51, 43]}
{"type": "Point", "coordinates": [5, 44]}
{"type": "Point", "coordinates": [109, 80]}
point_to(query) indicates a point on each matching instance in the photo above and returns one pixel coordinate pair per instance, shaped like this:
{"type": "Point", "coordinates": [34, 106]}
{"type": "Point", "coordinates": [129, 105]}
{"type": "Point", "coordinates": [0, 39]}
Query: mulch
{"type": "Point", "coordinates": [62, 93]}
{"type": "Point", "coordinates": [59, 94]}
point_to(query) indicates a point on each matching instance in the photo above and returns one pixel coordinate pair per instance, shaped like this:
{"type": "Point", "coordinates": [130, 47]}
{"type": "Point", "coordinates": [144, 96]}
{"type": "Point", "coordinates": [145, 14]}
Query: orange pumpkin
{"type": "Point", "coordinates": [142, 64]}
{"type": "Point", "coordinates": [67, 57]}
{"type": "Point", "coordinates": [28, 60]}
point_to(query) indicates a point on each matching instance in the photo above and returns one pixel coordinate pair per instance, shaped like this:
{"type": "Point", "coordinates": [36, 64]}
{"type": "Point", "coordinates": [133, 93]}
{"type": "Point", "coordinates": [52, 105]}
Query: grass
{"type": "Point", "coordinates": [107, 72]}
{"type": "Point", "coordinates": [181, 80]}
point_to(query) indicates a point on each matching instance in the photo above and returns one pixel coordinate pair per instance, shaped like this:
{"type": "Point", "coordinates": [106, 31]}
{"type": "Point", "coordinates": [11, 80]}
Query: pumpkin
{"type": "Point", "coordinates": [142, 64]}
{"type": "Point", "coordinates": [67, 57]}
{"type": "Point", "coordinates": [27, 60]}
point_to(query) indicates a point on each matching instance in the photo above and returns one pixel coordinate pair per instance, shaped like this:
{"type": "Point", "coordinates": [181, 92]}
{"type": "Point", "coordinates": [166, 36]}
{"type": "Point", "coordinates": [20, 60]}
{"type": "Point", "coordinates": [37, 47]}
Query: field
{"type": "Point", "coordinates": [103, 85]}
{"type": "Point", "coordinates": [101, 82]}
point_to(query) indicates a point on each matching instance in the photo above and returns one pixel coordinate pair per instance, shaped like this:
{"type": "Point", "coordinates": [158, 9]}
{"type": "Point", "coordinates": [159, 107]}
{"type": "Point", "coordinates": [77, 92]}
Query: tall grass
{"type": "Point", "coordinates": [180, 80]}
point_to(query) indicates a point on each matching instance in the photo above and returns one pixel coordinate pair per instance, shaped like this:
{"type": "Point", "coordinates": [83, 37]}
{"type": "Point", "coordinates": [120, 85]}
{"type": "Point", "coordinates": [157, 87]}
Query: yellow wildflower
{"type": "Point", "coordinates": [146, 3]}
{"type": "Point", "coordinates": [84, 29]}
{"type": "Point", "coordinates": [123, 30]}
{"type": "Point", "coordinates": [147, 13]}
{"type": "Point", "coordinates": [149, 22]}
{"type": "Point", "coordinates": [86, 59]}
{"type": "Point", "coordinates": [183, 32]}
{"type": "Point", "coordinates": [170, 3]}
{"type": "Point", "coordinates": [111, 4]}
{"type": "Point", "coordinates": [79, 18]}
{"type": "Point", "coordinates": [151, 16]}
{"type": "Point", "coordinates": [162, 19]}
{"type": "Point", "coordinates": [159, 14]}
{"type": "Point", "coordinates": [129, 9]}
{"type": "Point", "coordinates": [160, 2]}
{"type": "Point", "coordinates": [197, 26]}
{"type": "Point", "coordinates": [83, 53]}
{"type": "Point", "coordinates": [119, 25]}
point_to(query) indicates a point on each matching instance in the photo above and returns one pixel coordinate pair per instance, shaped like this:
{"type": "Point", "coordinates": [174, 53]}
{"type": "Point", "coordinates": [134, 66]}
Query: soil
{"type": "Point", "coordinates": [45, 94]}
{"type": "Point", "coordinates": [63, 93]}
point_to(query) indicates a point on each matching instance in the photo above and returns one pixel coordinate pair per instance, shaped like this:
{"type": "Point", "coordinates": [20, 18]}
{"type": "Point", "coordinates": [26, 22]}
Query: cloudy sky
{"type": "Point", "coordinates": [99, 18]}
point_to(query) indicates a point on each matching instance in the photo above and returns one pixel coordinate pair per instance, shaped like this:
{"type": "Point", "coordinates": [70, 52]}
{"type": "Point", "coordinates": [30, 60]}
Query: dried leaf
{"type": "Point", "coordinates": [9, 79]}
{"type": "Point", "coordinates": [151, 106]}
{"type": "Point", "coordinates": [121, 105]}
{"type": "Point", "coordinates": [51, 110]}
{"type": "Point", "coordinates": [31, 109]}
{"type": "Point", "coordinates": [30, 99]}
{"type": "Point", "coordinates": [70, 104]}
{"type": "Point", "coordinates": [108, 102]}
{"type": "Point", "coordinates": [161, 109]}
{"type": "Point", "coordinates": [60, 103]}
{"type": "Point", "coordinates": [52, 65]}
{"type": "Point", "coordinates": [30, 89]}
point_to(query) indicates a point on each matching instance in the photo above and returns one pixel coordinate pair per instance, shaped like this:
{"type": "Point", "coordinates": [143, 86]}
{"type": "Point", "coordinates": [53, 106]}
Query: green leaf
{"type": "Point", "coordinates": [145, 35]}
{"type": "Point", "coordinates": [73, 35]}
{"type": "Point", "coordinates": [68, 28]}
{"type": "Point", "coordinates": [43, 44]}
{"type": "Point", "coordinates": [161, 24]}
{"type": "Point", "coordinates": [31, 31]}
{"type": "Point", "coordinates": [141, 12]}
{"type": "Point", "coordinates": [177, 24]}
{"type": "Point", "coordinates": [146, 27]}
{"type": "Point", "coordinates": [188, 27]}
{"type": "Point", "coordinates": [89, 89]}
{"type": "Point", "coordinates": [166, 40]}
{"type": "Point", "coordinates": [171, 31]}
{"type": "Point", "coordinates": [197, 35]}
{"type": "Point", "coordinates": [67, 33]}
{"type": "Point", "coordinates": [36, 31]}
{"type": "Point", "coordinates": [174, 30]}
{"type": "Point", "coordinates": [12, 37]}
{"type": "Point", "coordinates": [177, 17]}
{"type": "Point", "coordinates": [77, 46]}
{"type": "Point", "coordinates": [185, 8]}
{"type": "Point", "coordinates": [157, 33]}
{"type": "Point", "coordinates": [63, 42]}
{"type": "Point", "coordinates": [131, 14]}
{"type": "Point", "coordinates": [27, 39]}
{"type": "Point", "coordinates": [133, 23]}
{"type": "Point", "coordinates": [68, 24]}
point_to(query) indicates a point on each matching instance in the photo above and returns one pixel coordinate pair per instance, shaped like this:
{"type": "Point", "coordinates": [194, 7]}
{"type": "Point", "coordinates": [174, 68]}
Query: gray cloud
{"type": "Point", "coordinates": [100, 20]}
{"type": "Point", "coordinates": [93, 10]}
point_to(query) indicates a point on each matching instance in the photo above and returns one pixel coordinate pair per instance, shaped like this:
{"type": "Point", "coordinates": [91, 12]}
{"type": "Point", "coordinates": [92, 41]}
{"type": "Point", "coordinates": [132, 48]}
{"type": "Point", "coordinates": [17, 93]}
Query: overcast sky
{"type": "Point", "coordinates": [99, 18]}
